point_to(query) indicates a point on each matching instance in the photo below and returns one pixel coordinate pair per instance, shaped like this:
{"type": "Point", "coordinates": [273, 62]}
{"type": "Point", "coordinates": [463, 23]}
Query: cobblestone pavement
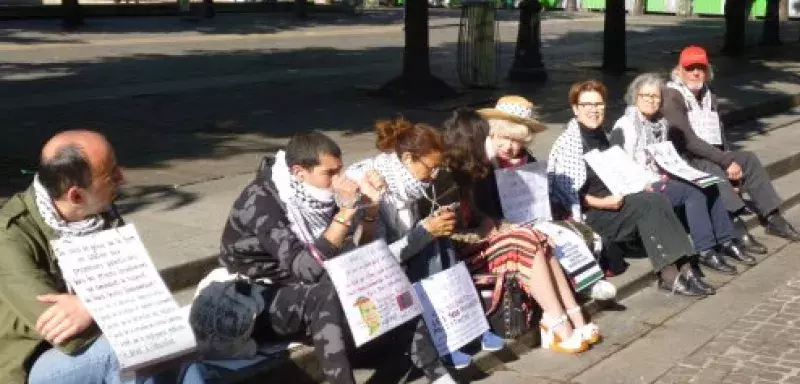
{"type": "Point", "coordinates": [761, 347]}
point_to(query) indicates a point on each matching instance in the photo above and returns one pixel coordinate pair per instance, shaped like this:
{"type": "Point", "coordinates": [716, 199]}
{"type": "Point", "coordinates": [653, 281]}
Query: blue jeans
{"type": "Point", "coordinates": [436, 257]}
{"type": "Point", "coordinates": [96, 365]}
{"type": "Point", "coordinates": [709, 222]}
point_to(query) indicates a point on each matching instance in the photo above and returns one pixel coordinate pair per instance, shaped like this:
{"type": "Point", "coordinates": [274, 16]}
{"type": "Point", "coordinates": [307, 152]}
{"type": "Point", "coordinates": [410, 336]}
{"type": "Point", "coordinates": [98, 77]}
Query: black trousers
{"type": "Point", "coordinates": [755, 181]}
{"type": "Point", "coordinates": [650, 215]}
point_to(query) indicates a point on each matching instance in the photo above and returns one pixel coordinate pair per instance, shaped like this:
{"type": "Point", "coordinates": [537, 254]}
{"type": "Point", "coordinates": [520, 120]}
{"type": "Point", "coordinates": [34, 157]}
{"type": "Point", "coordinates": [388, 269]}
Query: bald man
{"type": "Point", "coordinates": [46, 334]}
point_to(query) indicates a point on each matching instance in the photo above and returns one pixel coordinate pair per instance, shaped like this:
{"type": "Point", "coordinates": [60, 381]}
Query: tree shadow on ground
{"type": "Point", "coordinates": [195, 116]}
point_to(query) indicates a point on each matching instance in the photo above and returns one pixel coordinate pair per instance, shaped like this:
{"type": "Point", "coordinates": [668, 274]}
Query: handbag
{"type": "Point", "coordinates": [509, 310]}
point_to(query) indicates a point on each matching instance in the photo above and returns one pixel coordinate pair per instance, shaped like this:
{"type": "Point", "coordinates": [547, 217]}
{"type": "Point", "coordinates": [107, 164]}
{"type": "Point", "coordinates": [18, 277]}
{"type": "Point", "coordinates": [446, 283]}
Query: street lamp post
{"type": "Point", "coordinates": [528, 65]}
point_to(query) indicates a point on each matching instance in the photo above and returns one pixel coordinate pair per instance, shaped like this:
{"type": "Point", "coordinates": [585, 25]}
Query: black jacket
{"type": "Point", "coordinates": [258, 242]}
{"type": "Point", "coordinates": [682, 135]}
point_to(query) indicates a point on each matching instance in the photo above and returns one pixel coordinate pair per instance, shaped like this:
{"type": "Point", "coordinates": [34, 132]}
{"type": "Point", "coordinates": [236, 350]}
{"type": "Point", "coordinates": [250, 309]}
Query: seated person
{"type": "Point", "coordinates": [259, 243]}
{"type": "Point", "coordinates": [689, 107]}
{"type": "Point", "coordinates": [710, 226]}
{"type": "Point", "coordinates": [573, 184]}
{"type": "Point", "coordinates": [499, 248]}
{"type": "Point", "coordinates": [412, 155]}
{"type": "Point", "coordinates": [478, 146]}
{"type": "Point", "coordinates": [46, 333]}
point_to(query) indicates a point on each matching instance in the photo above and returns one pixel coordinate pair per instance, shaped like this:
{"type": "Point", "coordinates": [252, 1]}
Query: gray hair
{"type": "Point", "coordinates": [640, 81]}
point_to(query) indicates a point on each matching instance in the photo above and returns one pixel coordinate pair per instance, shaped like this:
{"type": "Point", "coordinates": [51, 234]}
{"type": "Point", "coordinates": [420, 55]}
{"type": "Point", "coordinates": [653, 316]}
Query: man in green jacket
{"type": "Point", "coordinates": [46, 334]}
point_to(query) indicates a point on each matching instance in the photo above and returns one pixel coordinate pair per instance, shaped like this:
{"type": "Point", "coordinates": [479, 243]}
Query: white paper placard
{"type": "Point", "coordinates": [524, 193]}
{"type": "Point", "coordinates": [621, 175]}
{"type": "Point", "coordinates": [668, 159]}
{"type": "Point", "coordinates": [705, 124]}
{"type": "Point", "coordinates": [573, 254]}
{"type": "Point", "coordinates": [451, 308]}
{"type": "Point", "coordinates": [375, 292]}
{"type": "Point", "coordinates": [112, 274]}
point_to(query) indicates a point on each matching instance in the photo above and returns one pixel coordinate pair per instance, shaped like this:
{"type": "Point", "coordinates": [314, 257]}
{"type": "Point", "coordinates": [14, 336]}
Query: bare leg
{"type": "Point", "coordinates": [544, 292]}
{"type": "Point", "coordinates": [565, 291]}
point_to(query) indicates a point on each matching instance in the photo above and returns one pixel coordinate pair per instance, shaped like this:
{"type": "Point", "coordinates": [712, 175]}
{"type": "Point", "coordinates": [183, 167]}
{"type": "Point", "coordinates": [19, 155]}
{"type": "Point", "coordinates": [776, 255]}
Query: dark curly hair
{"type": "Point", "coordinates": [465, 136]}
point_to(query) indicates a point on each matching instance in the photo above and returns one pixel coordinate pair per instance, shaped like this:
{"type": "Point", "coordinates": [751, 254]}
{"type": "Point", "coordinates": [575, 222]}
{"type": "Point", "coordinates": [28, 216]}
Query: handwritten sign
{"type": "Point", "coordinates": [451, 308]}
{"type": "Point", "coordinates": [523, 193]}
{"type": "Point", "coordinates": [668, 159]}
{"type": "Point", "coordinates": [112, 274]}
{"type": "Point", "coordinates": [618, 171]}
{"type": "Point", "coordinates": [574, 256]}
{"type": "Point", "coordinates": [705, 124]}
{"type": "Point", "coordinates": [374, 291]}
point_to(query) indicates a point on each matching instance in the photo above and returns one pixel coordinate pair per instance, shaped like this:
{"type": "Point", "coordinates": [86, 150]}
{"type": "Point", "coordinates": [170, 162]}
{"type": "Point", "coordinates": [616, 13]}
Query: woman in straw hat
{"type": "Point", "coordinates": [496, 246]}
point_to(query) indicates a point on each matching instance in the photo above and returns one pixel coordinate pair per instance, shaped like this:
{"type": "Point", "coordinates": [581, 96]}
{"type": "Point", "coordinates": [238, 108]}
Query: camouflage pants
{"type": "Point", "coordinates": [295, 311]}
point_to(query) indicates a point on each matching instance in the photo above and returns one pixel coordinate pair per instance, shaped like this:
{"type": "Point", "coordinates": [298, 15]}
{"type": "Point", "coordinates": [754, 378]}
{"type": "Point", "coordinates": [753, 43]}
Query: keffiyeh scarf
{"type": "Point", "coordinates": [402, 188]}
{"type": "Point", "coordinates": [647, 133]}
{"type": "Point", "coordinates": [691, 101]}
{"type": "Point", "coordinates": [310, 209]}
{"type": "Point", "coordinates": [566, 169]}
{"type": "Point", "coordinates": [53, 219]}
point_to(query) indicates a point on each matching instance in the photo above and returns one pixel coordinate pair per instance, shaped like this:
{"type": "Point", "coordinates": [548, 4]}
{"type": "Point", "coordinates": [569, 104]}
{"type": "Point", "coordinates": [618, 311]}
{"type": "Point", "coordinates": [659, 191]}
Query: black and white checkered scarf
{"type": "Point", "coordinates": [63, 228]}
{"type": "Point", "coordinates": [310, 209]}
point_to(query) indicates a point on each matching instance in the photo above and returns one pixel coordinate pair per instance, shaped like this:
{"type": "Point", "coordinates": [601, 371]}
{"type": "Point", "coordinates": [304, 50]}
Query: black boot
{"type": "Point", "coordinates": [680, 285]}
{"type": "Point", "coordinates": [750, 245]}
{"type": "Point", "coordinates": [778, 226]}
{"type": "Point", "coordinates": [714, 261]}
{"type": "Point", "coordinates": [733, 251]}
{"type": "Point", "coordinates": [698, 283]}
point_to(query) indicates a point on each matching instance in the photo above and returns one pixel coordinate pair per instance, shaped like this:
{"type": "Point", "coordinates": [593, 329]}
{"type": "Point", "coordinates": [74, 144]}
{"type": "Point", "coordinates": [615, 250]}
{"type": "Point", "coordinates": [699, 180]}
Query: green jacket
{"type": "Point", "coordinates": [27, 269]}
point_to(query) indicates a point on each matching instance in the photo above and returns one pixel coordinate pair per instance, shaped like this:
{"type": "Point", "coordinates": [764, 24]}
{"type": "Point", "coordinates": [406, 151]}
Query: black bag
{"type": "Point", "coordinates": [510, 311]}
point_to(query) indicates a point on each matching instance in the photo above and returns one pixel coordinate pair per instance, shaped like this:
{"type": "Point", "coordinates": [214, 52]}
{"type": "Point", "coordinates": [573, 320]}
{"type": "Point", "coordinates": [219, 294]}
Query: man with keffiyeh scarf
{"type": "Point", "coordinates": [298, 212]}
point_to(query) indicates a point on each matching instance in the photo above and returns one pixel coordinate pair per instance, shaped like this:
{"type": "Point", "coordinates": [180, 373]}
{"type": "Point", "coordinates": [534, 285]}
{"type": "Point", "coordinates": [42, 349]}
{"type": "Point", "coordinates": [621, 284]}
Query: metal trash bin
{"type": "Point", "coordinates": [478, 51]}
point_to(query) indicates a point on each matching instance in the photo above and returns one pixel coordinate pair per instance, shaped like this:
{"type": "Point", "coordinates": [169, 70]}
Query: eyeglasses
{"type": "Point", "coordinates": [650, 97]}
{"type": "Point", "coordinates": [600, 105]}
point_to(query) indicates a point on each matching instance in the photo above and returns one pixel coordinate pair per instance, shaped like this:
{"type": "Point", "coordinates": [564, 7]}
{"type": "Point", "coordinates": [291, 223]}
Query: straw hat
{"type": "Point", "coordinates": [515, 109]}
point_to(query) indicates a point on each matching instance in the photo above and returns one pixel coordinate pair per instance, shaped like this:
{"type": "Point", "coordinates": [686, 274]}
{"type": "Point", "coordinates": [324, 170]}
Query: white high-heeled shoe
{"type": "Point", "coordinates": [590, 333]}
{"type": "Point", "coordinates": [551, 340]}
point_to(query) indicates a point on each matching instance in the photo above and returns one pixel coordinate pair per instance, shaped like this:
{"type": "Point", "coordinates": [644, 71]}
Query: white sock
{"type": "Point", "coordinates": [446, 379]}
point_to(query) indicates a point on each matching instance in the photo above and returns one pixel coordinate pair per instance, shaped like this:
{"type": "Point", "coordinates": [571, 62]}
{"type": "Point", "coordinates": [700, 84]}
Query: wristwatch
{"type": "Point", "coordinates": [342, 220]}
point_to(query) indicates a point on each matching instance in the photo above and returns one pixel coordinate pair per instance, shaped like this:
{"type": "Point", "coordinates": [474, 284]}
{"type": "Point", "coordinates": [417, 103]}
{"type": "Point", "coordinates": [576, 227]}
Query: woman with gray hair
{"type": "Point", "coordinates": [710, 227]}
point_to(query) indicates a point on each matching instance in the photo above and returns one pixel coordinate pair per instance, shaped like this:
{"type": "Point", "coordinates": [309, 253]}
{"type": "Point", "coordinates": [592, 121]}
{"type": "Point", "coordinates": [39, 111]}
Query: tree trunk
{"type": "Point", "coordinates": [683, 8]}
{"type": "Point", "coordinates": [416, 83]}
{"type": "Point", "coordinates": [528, 64]}
{"type": "Point", "coordinates": [735, 24]}
{"type": "Point", "coordinates": [72, 14]}
{"type": "Point", "coordinates": [638, 8]}
{"type": "Point", "coordinates": [783, 6]}
{"type": "Point", "coordinates": [614, 52]}
{"type": "Point", "coordinates": [301, 9]}
{"type": "Point", "coordinates": [771, 35]}
{"type": "Point", "coordinates": [571, 5]}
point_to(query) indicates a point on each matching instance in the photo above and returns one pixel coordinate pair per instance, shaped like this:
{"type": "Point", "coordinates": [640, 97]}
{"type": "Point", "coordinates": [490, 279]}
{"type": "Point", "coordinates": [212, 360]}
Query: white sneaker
{"type": "Point", "coordinates": [603, 290]}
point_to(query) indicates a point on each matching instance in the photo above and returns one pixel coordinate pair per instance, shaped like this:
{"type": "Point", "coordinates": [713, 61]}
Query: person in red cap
{"type": "Point", "coordinates": [695, 128]}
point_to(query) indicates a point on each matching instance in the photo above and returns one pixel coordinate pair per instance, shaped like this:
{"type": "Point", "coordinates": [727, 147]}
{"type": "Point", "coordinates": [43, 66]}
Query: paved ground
{"type": "Point", "coordinates": [192, 107]}
{"type": "Point", "coordinates": [747, 333]}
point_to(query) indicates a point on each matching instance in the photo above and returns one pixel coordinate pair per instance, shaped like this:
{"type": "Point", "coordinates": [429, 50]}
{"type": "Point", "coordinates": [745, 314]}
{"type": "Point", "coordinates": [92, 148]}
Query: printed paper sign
{"type": "Point", "coordinates": [112, 274]}
{"type": "Point", "coordinates": [523, 193]}
{"type": "Point", "coordinates": [574, 256]}
{"type": "Point", "coordinates": [621, 175]}
{"type": "Point", "coordinates": [668, 159]}
{"type": "Point", "coordinates": [374, 291]}
{"type": "Point", "coordinates": [451, 309]}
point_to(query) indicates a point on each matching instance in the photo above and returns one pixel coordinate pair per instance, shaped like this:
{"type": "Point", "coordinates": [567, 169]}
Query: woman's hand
{"type": "Point", "coordinates": [440, 224]}
{"type": "Point", "coordinates": [609, 203]}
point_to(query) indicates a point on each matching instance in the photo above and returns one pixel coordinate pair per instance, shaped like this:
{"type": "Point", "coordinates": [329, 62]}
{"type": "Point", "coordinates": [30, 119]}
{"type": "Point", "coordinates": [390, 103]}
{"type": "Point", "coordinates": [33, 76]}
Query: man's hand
{"type": "Point", "coordinates": [65, 319]}
{"type": "Point", "coordinates": [734, 171]}
{"type": "Point", "coordinates": [441, 223]}
{"type": "Point", "coordinates": [346, 191]}
{"type": "Point", "coordinates": [372, 186]}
